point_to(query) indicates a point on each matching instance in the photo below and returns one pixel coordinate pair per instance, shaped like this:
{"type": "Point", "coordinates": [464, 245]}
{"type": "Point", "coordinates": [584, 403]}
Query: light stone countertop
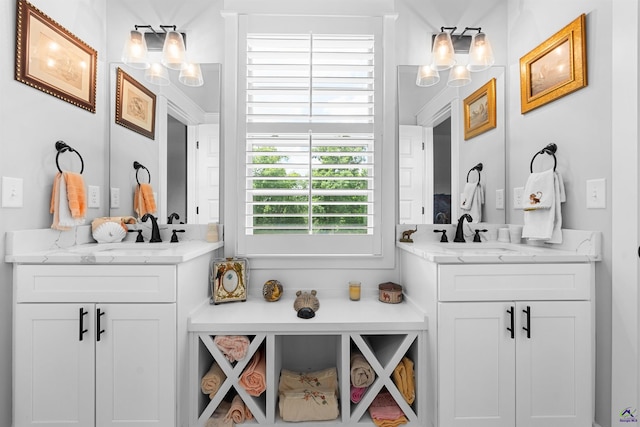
{"type": "Point", "coordinates": [578, 247]}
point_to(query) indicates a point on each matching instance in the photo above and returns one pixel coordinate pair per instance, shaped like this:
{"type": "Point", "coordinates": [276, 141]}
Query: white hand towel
{"type": "Point", "coordinates": [546, 223]}
{"type": "Point", "coordinates": [472, 200]}
{"type": "Point", "coordinates": [539, 191]}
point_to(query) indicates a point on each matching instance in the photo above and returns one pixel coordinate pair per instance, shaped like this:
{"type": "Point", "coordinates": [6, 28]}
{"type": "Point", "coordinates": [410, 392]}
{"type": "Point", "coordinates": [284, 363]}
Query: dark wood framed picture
{"type": "Point", "coordinates": [51, 59]}
{"type": "Point", "coordinates": [135, 105]}
{"type": "Point", "coordinates": [480, 110]}
{"type": "Point", "coordinates": [555, 68]}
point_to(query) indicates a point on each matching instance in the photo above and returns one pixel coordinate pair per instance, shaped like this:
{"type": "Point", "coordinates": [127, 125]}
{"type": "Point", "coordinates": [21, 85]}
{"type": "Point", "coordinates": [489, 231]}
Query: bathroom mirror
{"type": "Point", "coordinates": [435, 160]}
{"type": "Point", "coordinates": [182, 161]}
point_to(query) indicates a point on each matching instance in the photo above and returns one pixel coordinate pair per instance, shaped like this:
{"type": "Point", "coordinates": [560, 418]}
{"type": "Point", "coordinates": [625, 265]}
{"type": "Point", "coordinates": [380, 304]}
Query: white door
{"type": "Point", "coordinates": [54, 365]}
{"type": "Point", "coordinates": [135, 365]}
{"type": "Point", "coordinates": [411, 175]}
{"type": "Point", "coordinates": [208, 174]}
{"type": "Point", "coordinates": [476, 356]}
{"type": "Point", "coordinates": [553, 364]}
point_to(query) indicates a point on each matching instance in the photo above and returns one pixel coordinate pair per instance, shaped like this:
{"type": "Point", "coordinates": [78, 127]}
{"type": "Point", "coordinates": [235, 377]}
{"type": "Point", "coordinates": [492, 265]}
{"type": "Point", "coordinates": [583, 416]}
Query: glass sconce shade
{"type": "Point", "coordinates": [134, 53]}
{"type": "Point", "coordinates": [442, 52]}
{"type": "Point", "coordinates": [459, 76]}
{"type": "Point", "coordinates": [427, 76]}
{"type": "Point", "coordinates": [173, 51]}
{"type": "Point", "coordinates": [157, 75]}
{"type": "Point", "coordinates": [480, 53]}
{"type": "Point", "coordinates": [191, 75]}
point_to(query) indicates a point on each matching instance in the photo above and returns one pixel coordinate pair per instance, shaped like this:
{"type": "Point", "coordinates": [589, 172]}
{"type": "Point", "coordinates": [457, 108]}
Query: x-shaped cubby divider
{"type": "Point", "coordinates": [233, 371]}
{"type": "Point", "coordinates": [383, 352]}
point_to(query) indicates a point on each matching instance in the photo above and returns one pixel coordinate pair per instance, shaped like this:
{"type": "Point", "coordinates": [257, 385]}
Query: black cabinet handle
{"type": "Point", "coordinates": [81, 323]}
{"type": "Point", "coordinates": [512, 323]}
{"type": "Point", "coordinates": [527, 328]}
{"type": "Point", "coordinates": [99, 314]}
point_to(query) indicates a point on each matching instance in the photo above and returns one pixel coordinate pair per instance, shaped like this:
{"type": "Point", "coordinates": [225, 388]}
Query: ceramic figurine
{"type": "Point", "coordinates": [272, 290]}
{"type": "Point", "coordinates": [306, 304]}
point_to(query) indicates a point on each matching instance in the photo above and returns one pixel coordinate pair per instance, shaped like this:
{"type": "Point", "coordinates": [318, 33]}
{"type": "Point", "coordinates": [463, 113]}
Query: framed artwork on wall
{"type": "Point", "coordinates": [480, 110]}
{"type": "Point", "coordinates": [557, 67]}
{"type": "Point", "coordinates": [135, 105]}
{"type": "Point", "coordinates": [51, 59]}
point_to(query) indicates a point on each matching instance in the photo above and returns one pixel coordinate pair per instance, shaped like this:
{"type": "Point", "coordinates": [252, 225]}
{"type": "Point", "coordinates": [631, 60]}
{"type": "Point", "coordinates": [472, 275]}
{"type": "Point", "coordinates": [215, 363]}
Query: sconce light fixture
{"type": "Point", "coordinates": [445, 45]}
{"type": "Point", "coordinates": [171, 43]}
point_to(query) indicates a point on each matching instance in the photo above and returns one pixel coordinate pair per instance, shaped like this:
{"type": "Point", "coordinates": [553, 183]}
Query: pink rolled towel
{"type": "Point", "coordinates": [357, 393]}
{"type": "Point", "coordinates": [384, 407]}
{"type": "Point", "coordinates": [236, 411]}
{"type": "Point", "coordinates": [233, 347]}
{"type": "Point", "coordinates": [253, 378]}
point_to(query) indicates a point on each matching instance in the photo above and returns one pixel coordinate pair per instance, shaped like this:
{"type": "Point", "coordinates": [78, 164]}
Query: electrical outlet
{"type": "Point", "coordinates": [115, 197]}
{"type": "Point", "coordinates": [94, 197]}
{"type": "Point", "coordinates": [596, 194]}
{"type": "Point", "coordinates": [500, 198]}
{"type": "Point", "coordinates": [518, 193]}
{"type": "Point", "coordinates": [12, 192]}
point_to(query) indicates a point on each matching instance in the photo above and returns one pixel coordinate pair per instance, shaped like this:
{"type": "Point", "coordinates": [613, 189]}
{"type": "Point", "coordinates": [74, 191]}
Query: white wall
{"type": "Point", "coordinates": [580, 124]}
{"type": "Point", "coordinates": [31, 123]}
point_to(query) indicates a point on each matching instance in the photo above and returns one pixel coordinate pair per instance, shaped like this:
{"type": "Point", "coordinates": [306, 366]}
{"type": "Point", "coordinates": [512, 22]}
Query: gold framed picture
{"type": "Point", "coordinates": [228, 280]}
{"type": "Point", "coordinates": [51, 59]}
{"type": "Point", "coordinates": [480, 110]}
{"type": "Point", "coordinates": [555, 68]}
{"type": "Point", "coordinates": [135, 105]}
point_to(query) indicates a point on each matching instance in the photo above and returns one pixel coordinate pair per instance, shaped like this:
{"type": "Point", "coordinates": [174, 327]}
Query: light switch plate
{"type": "Point", "coordinates": [518, 193]}
{"type": "Point", "coordinates": [500, 198]}
{"type": "Point", "coordinates": [115, 197]}
{"type": "Point", "coordinates": [94, 196]}
{"type": "Point", "coordinates": [12, 192]}
{"type": "Point", "coordinates": [596, 194]}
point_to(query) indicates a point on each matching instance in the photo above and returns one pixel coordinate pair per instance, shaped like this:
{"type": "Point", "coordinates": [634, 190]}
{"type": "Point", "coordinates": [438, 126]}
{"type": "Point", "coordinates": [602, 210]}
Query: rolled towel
{"type": "Point", "coordinates": [404, 379]}
{"type": "Point", "coordinates": [236, 412]}
{"type": "Point", "coordinates": [253, 378]}
{"type": "Point", "coordinates": [325, 378]}
{"type": "Point", "coordinates": [233, 347]}
{"type": "Point", "coordinates": [357, 393]}
{"type": "Point", "coordinates": [218, 418]}
{"type": "Point", "coordinates": [384, 407]}
{"type": "Point", "coordinates": [362, 375]}
{"type": "Point", "coordinates": [212, 380]}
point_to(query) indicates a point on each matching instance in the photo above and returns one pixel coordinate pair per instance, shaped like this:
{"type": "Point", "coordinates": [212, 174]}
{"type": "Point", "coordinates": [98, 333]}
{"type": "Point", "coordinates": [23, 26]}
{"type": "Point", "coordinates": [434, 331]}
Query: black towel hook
{"type": "Point", "coordinates": [550, 149]}
{"type": "Point", "coordinates": [477, 168]}
{"type": "Point", "coordinates": [61, 147]}
{"type": "Point", "coordinates": [137, 166]}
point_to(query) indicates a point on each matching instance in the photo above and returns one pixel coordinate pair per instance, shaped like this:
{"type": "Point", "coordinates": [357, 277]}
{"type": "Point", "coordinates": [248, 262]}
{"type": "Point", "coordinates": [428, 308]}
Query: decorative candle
{"type": "Point", "coordinates": [354, 290]}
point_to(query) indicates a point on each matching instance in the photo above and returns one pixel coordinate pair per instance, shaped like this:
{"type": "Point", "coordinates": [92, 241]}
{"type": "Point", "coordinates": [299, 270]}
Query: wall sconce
{"type": "Point", "coordinates": [171, 43]}
{"type": "Point", "coordinates": [445, 45]}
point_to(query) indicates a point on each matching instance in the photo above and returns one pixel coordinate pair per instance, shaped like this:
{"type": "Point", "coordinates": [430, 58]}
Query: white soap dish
{"type": "Point", "coordinates": [109, 232]}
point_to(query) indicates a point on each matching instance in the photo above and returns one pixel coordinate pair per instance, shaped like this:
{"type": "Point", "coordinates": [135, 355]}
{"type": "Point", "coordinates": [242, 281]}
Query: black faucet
{"type": "Point", "coordinates": [155, 231]}
{"type": "Point", "coordinates": [172, 217]}
{"type": "Point", "coordinates": [459, 231]}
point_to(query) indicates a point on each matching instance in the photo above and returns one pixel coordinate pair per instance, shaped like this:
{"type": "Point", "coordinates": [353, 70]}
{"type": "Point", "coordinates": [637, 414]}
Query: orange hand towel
{"type": "Point", "coordinates": [404, 379]}
{"type": "Point", "coordinates": [76, 194]}
{"type": "Point", "coordinates": [253, 378]}
{"type": "Point", "coordinates": [143, 200]}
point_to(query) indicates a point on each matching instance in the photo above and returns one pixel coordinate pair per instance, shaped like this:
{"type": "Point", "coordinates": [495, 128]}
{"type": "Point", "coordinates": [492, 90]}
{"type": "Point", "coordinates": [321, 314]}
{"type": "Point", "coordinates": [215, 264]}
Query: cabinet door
{"type": "Point", "coordinates": [554, 365]}
{"type": "Point", "coordinates": [54, 370]}
{"type": "Point", "coordinates": [476, 356]}
{"type": "Point", "coordinates": [135, 365]}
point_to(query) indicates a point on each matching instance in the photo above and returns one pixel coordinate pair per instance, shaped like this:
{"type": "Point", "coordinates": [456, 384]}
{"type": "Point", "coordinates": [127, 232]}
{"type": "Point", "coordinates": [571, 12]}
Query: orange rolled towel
{"type": "Point", "coordinates": [253, 378]}
{"type": "Point", "coordinates": [404, 379]}
{"type": "Point", "coordinates": [236, 412]}
{"type": "Point", "coordinates": [143, 200]}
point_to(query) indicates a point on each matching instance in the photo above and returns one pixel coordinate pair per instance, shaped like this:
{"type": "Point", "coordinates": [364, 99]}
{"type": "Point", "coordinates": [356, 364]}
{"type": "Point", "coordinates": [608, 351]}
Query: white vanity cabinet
{"type": "Point", "coordinates": [103, 344]}
{"type": "Point", "coordinates": [512, 343]}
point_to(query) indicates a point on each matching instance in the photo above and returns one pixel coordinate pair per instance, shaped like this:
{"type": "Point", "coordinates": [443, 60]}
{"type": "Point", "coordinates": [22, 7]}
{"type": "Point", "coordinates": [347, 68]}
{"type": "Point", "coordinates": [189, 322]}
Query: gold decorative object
{"type": "Point", "coordinates": [229, 280]}
{"type": "Point", "coordinates": [306, 304]}
{"type": "Point", "coordinates": [272, 290]}
{"type": "Point", "coordinates": [406, 235]}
